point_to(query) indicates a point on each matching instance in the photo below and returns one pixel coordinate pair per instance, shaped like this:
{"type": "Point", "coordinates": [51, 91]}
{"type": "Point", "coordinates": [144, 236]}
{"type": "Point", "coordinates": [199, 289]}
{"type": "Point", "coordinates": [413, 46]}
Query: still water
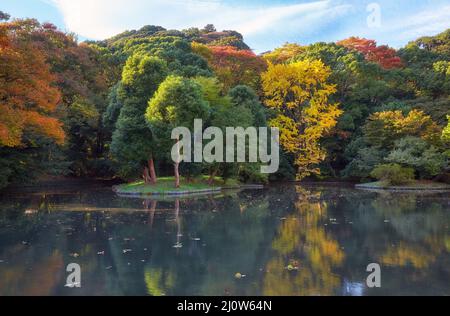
{"type": "Point", "coordinates": [285, 240]}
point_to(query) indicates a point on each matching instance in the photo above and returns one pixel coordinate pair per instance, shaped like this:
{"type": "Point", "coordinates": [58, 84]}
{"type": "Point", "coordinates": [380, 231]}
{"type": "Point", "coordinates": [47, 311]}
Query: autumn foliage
{"type": "Point", "coordinates": [342, 108]}
{"type": "Point", "coordinates": [299, 93]}
{"type": "Point", "coordinates": [28, 96]}
{"type": "Point", "coordinates": [383, 55]}
{"type": "Point", "coordinates": [232, 66]}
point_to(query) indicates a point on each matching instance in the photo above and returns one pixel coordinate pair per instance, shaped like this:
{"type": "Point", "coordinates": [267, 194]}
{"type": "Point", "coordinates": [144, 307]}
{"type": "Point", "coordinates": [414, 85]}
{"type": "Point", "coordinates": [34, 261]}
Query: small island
{"type": "Point", "coordinates": [396, 177]}
{"type": "Point", "coordinates": [416, 185]}
{"type": "Point", "coordinates": [165, 186]}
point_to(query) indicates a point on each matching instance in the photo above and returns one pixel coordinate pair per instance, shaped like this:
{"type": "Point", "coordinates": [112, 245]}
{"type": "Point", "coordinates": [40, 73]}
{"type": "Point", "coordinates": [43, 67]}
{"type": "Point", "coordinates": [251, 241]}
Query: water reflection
{"type": "Point", "coordinates": [305, 254]}
{"type": "Point", "coordinates": [287, 240]}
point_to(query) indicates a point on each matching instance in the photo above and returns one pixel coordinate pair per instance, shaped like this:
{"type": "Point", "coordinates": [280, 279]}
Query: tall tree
{"type": "Point", "coordinates": [299, 93]}
{"type": "Point", "coordinates": [28, 96]}
{"type": "Point", "coordinates": [29, 100]}
{"type": "Point", "coordinates": [133, 144]}
{"type": "Point", "coordinates": [177, 103]}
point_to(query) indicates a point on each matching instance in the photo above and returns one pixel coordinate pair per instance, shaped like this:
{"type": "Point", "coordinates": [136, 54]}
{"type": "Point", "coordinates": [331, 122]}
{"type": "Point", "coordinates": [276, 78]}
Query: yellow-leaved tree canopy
{"type": "Point", "coordinates": [299, 93]}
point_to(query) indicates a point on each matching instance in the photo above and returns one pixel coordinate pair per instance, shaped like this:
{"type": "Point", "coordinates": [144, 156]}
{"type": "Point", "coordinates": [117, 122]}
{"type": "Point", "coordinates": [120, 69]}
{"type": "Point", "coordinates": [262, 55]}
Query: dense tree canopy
{"type": "Point", "coordinates": [133, 143]}
{"type": "Point", "coordinates": [27, 91]}
{"type": "Point", "coordinates": [177, 103]}
{"type": "Point", "coordinates": [232, 66]}
{"type": "Point", "coordinates": [299, 93]}
{"type": "Point", "coordinates": [383, 55]}
{"type": "Point", "coordinates": [349, 109]}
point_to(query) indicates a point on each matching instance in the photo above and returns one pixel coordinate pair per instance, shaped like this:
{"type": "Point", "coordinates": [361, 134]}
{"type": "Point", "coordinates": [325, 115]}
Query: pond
{"type": "Point", "coordinates": [284, 240]}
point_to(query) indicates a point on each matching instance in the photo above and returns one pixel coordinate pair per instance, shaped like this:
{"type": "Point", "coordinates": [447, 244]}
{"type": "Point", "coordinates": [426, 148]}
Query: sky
{"type": "Point", "coordinates": [265, 24]}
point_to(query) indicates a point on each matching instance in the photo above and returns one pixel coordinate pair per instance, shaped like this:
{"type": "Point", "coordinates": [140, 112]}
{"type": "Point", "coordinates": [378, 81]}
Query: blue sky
{"type": "Point", "coordinates": [265, 24]}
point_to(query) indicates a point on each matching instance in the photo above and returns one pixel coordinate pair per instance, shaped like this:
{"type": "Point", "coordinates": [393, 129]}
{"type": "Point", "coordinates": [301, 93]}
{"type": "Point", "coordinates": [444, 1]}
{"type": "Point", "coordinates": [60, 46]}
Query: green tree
{"type": "Point", "coordinates": [177, 103]}
{"type": "Point", "coordinates": [446, 132]}
{"type": "Point", "coordinates": [416, 153]}
{"type": "Point", "coordinates": [246, 97]}
{"type": "Point", "coordinates": [81, 122]}
{"type": "Point", "coordinates": [133, 144]}
{"type": "Point", "coordinates": [112, 112]}
{"type": "Point", "coordinates": [393, 174]}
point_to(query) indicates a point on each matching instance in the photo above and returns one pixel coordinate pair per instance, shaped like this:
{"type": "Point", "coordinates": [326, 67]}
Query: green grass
{"type": "Point", "coordinates": [166, 184]}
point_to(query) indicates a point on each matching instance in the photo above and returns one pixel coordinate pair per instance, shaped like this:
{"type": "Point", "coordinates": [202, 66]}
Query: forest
{"type": "Point", "coordinates": [353, 110]}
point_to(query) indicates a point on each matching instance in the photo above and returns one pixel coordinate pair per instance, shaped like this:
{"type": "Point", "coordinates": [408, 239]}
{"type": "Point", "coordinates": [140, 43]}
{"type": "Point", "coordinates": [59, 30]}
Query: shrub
{"type": "Point", "coordinates": [416, 153]}
{"type": "Point", "coordinates": [250, 173]}
{"type": "Point", "coordinates": [393, 173]}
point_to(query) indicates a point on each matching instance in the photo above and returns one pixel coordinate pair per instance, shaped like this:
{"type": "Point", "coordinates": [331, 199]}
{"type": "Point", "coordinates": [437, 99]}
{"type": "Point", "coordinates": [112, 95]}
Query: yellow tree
{"type": "Point", "coordinates": [299, 93]}
{"type": "Point", "coordinates": [283, 54]}
{"type": "Point", "coordinates": [305, 255]}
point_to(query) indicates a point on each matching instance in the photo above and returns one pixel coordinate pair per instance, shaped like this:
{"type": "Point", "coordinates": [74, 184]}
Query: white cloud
{"type": "Point", "coordinates": [423, 24]}
{"type": "Point", "coordinates": [101, 19]}
{"type": "Point", "coordinates": [397, 30]}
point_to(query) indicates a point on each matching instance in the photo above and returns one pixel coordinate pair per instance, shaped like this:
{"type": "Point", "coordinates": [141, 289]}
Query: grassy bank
{"type": "Point", "coordinates": [166, 186]}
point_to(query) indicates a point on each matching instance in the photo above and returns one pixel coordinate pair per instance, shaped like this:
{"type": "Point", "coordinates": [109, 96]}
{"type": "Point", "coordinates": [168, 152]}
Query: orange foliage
{"type": "Point", "coordinates": [233, 66]}
{"type": "Point", "coordinates": [383, 55]}
{"type": "Point", "coordinates": [27, 92]}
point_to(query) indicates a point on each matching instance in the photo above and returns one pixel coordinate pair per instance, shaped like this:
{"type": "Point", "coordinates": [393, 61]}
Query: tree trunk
{"type": "Point", "coordinates": [211, 177]}
{"type": "Point", "coordinates": [151, 207]}
{"type": "Point", "coordinates": [177, 218]}
{"type": "Point", "coordinates": [177, 165]}
{"type": "Point", "coordinates": [146, 176]}
{"type": "Point", "coordinates": [151, 167]}
{"type": "Point", "coordinates": [177, 175]}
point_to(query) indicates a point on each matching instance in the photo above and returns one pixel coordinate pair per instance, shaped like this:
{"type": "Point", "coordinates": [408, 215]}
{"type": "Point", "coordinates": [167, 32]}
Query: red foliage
{"type": "Point", "coordinates": [41, 68]}
{"type": "Point", "coordinates": [235, 67]}
{"type": "Point", "coordinates": [383, 55]}
{"type": "Point", "coordinates": [27, 92]}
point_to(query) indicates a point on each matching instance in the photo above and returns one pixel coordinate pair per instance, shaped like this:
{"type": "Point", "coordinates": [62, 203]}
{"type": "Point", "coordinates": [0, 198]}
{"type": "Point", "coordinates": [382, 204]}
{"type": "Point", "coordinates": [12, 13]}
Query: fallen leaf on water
{"type": "Point", "coordinates": [74, 255]}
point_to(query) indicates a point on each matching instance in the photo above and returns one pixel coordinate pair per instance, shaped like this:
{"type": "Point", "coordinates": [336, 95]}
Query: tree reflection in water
{"type": "Point", "coordinates": [305, 254]}
{"type": "Point", "coordinates": [287, 240]}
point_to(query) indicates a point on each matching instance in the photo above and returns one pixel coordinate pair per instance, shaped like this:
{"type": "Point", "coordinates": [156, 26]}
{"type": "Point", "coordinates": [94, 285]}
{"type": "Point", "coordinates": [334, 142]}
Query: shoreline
{"type": "Point", "coordinates": [414, 187]}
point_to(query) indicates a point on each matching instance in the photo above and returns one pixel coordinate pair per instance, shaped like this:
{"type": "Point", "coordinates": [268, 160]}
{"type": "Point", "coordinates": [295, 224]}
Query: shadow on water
{"type": "Point", "coordinates": [285, 240]}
